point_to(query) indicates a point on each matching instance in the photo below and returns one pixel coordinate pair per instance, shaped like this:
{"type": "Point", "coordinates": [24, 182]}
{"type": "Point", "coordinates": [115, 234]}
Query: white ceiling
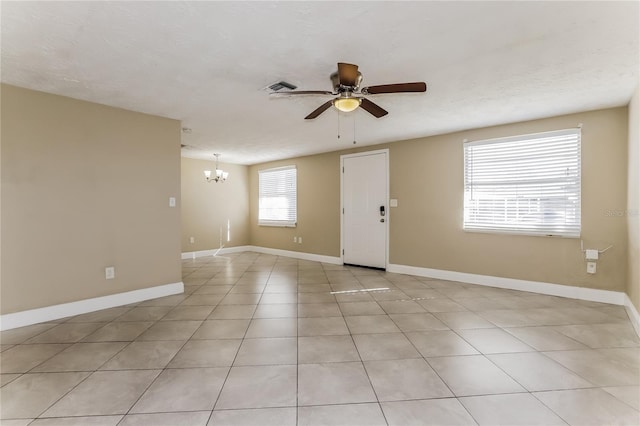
{"type": "Point", "coordinates": [206, 63]}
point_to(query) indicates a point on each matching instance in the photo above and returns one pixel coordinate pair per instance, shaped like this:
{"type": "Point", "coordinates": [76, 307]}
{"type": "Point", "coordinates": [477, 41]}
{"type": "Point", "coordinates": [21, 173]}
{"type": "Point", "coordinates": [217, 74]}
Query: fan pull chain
{"type": "Point", "coordinates": [354, 129]}
{"type": "Point", "coordinates": [339, 125]}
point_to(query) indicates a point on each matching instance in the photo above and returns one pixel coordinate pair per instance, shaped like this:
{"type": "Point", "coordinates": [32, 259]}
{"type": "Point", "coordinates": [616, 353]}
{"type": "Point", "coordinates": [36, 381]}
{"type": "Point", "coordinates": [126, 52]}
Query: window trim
{"type": "Point", "coordinates": [515, 230]}
{"type": "Point", "coordinates": [279, 223]}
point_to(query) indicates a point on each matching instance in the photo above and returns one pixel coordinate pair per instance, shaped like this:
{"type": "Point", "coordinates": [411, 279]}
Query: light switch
{"type": "Point", "coordinates": [591, 254]}
{"type": "Point", "coordinates": [172, 201]}
{"type": "Point", "coordinates": [393, 202]}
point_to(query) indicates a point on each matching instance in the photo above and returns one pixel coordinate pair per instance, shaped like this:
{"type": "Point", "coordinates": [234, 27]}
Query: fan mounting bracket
{"type": "Point", "coordinates": [337, 87]}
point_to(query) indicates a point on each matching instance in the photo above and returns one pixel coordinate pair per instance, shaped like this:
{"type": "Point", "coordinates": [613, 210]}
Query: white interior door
{"type": "Point", "coordinates": [365, 210]}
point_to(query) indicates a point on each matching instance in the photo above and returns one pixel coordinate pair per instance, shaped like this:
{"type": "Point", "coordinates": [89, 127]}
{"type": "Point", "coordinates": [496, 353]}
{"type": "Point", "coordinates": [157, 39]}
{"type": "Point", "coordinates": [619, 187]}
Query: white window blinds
{"type": "Point", "coordinates": [277, 198]}
{"type": "Point", "coordinates": [526, 184]}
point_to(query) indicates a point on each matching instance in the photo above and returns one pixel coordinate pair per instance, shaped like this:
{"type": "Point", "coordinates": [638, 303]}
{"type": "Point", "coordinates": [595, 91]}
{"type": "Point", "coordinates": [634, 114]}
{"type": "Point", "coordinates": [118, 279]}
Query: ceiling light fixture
{"type": "Point", "coordinates": [221, 175]}
{"type": "Point", "coordinates": [346, 104]}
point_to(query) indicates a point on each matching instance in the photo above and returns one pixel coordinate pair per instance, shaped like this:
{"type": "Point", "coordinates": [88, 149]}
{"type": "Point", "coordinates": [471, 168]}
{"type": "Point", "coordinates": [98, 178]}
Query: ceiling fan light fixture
{"type": "Point", "coordinates": [346, 104]}
{"type": "Point", "coordinates": [346, 84]}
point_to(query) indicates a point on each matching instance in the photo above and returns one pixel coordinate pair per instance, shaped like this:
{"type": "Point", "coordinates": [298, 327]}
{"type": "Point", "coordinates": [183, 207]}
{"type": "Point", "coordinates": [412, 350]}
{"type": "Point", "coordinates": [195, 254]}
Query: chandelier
{"type": "Point", "coordinates": [221, 175]}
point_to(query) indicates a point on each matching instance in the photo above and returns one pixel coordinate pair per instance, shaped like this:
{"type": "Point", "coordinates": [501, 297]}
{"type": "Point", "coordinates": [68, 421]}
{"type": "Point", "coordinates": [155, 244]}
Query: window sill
{"type": "Point", "coordinates": [277, 224]}
{"type": "Point", "coordinates": [520, 233]}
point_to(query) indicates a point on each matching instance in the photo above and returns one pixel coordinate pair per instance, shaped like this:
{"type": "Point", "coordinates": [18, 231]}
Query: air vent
{"type": "Point", "coordinates": [276, 87]}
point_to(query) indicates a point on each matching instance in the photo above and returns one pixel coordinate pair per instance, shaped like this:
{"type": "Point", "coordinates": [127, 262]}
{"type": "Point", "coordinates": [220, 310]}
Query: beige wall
{"type": "Point", "coordinates": [85, 186]}
{"type": "Point", "coordinates": [426, 228]}
{"type": "Point", "coordinates": [209, 207]}
{"type": "Point", "coordinates": [633, 200]}
{"type": "Point", "coordinates": [318, 205]}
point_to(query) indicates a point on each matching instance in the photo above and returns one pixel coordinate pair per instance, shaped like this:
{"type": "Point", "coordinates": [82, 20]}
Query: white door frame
{"type": "Point", "coordinates": [386, 201]}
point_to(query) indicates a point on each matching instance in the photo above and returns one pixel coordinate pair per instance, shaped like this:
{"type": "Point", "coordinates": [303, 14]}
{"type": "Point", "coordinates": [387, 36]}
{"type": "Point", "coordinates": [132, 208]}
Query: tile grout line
{"type": "Point", "coordinates": [429, 364]}
{"type": "Point", "coordinates": [164, 368]}
{"type": "Point", "coordinates": [366, 371]}
{"type": "Point", "coordinates": [234, 358]}
{"type": "Point", "coordinates": [237, 352]}
{"type": "Point", "coordinates": [246, 269]}
{"type": "Point", "coordinates": [77, 384]}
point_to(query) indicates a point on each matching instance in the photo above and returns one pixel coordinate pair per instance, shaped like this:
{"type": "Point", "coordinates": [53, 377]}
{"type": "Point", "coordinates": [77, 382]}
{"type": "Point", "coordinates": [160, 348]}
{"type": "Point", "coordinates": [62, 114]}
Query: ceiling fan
{"type": "Point", "coordinates": [346, 86]}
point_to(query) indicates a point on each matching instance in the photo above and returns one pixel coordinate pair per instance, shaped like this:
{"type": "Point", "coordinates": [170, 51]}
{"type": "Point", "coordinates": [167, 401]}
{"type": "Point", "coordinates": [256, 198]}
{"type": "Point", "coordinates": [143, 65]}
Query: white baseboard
{"type": "Point", "coordinates": [581, 293]}
{"type": "Point", "coordinates": [265, 250]}
{"type": "Point", "coordinates": [214, 252]}
{"type": "Point", "coordinates": [634, 316]}
{"type": "Point", "coordinates": [49, 313]}
{"type": "Point", "coordinates": [298, 255]}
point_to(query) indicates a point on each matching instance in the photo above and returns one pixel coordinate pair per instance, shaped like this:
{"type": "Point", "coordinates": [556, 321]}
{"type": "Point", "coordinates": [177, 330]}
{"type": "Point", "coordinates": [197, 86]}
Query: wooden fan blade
{"type": "Point", "coordinates": [395, 88]}
{"type": "Point", "coordinates": [322, 108]}
{"type": "Point", "coordinates": [348, 74]}
{"type": "Point", "coordinates": [304, 92]}
{"type": "Point", "coordinates": [372, 108]}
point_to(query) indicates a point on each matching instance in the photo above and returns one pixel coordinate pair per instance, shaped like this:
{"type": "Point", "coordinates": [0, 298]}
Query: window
{"type": "Point", "coordinates": [277, 197]}
{"type": "Point", "coordinates": [524, 184]}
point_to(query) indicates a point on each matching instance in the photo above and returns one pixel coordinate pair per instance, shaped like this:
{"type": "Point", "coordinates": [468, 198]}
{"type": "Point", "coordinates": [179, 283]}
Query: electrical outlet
{"type": "Point", "coordinates": [299, 240]}
{"type": "Point", "coordinates": [591, 267]}
{"type": "Point", "coordinates": [295, 239]}
{"type": "Point", "coordinates": [192, 240]}
{"type": "Point", "coordinates": [172, 201]}
{"type": "Point", "coordinates": [109, 272]}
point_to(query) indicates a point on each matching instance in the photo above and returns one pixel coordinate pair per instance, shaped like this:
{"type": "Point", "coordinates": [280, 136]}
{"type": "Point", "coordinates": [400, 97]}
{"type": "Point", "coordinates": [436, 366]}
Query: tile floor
{"type": "Point", "coordinates": [266, 340]}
